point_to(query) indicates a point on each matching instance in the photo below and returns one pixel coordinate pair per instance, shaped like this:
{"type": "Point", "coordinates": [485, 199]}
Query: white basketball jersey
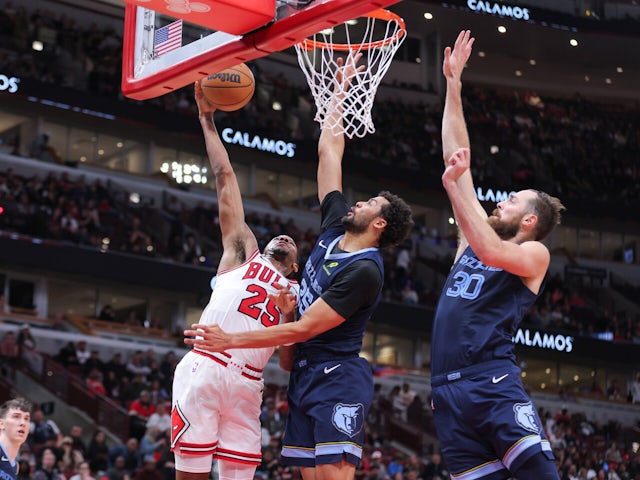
{"type": "Point", "coordinates": [239, 303]}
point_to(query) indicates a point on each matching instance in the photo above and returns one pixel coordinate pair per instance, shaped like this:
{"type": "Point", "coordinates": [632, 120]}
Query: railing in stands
{"type": "Point", "coordinates": [71, 389]}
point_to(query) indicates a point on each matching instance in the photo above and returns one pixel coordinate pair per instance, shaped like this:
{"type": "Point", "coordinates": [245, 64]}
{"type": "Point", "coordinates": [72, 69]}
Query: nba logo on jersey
{"type": "Point", "coordinates": [348, 418]}
{"type": "Point", "coordinates": [195, 367]}
{"type": "Point", "coordinates": [526, 417]}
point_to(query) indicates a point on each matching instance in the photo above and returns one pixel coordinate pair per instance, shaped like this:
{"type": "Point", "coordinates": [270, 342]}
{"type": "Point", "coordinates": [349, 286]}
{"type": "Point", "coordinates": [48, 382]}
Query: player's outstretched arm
{"type": "Point", "coordinates": [331, 143]}
{"type": "Point", "coordinates": [528, 260]}
{"type": "Point", "coordinates": [318, 318]}
{"type": "Point", "coordinates": [237, 239]}
{"type": "Point", "coordinates": [454, 128]}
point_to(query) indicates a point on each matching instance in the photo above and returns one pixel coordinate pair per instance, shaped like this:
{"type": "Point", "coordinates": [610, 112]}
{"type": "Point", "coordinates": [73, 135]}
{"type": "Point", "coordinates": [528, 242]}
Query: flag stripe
{"type": "Point", "coordinates": [167, 38]}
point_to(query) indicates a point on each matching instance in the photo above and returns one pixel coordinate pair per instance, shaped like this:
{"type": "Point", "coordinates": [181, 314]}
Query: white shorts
{"type": "Point", "coordinates": [215, 413]}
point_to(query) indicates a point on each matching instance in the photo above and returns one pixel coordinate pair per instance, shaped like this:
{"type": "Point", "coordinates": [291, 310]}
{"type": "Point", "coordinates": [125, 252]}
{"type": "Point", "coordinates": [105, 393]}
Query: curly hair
{"type": "Point", "coordinates": [399, 222]}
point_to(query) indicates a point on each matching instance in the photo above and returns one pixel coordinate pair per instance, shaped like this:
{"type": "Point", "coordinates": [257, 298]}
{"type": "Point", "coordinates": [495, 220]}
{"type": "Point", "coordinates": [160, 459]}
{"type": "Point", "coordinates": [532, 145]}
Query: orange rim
{"type": "Point", "coordinates": [381, 14]}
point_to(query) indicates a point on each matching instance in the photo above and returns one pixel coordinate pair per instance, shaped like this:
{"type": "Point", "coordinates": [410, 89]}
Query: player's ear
{"type": "Point", "coordinates": [530, 220]}
{"type": "Point", "coordinates": [379, 223]}
{"type": "Point", "coordinates": [295, 267]}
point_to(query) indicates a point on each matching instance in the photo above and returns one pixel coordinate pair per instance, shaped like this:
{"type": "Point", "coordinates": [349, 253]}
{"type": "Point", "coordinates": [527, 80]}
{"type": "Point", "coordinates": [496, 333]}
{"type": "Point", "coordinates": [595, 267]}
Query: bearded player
{"type": "Point", "coordinates": [486, 423]}
{"type": "Point", "coordinates": [217, 396]}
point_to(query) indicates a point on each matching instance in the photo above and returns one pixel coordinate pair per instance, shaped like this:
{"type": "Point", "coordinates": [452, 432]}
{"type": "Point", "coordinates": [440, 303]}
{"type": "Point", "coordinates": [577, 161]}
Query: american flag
{"type": "Point", "coordinates": [167, 38]}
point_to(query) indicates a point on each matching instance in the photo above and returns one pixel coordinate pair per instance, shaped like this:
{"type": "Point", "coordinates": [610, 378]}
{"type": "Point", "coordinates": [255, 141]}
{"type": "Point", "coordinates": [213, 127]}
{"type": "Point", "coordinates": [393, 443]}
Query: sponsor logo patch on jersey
{"type": "Point", "coordinates": [526, 416]}
{"type": "Point", "coordinates": [348, 419]}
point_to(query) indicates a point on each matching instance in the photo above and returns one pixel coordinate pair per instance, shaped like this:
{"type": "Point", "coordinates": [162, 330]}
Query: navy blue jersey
{"type": "Point", "coordinates": [327, 274]}
{"type": "Point", "coordinates": [8, 467]}
{"type": "Point", "coordinates": [477, 315]}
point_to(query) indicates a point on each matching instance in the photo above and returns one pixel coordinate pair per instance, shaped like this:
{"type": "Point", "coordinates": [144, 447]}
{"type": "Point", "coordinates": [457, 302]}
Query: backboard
{"type": "Point", "coordinates": [169, 44]}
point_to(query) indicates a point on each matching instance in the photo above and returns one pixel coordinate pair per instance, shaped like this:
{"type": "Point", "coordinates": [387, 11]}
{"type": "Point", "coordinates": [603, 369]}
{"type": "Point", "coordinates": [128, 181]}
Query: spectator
{"type": "Point", "coordinates": [93, 363]}
{"type": "Point", "coordinates": [67, 355]}
{"type": "Point", "coordinates": [9, 348]}
{"type": "Point", "coordinates": [71, 457]}
{"type": "Point", "coordinates": [48, 469]}
{"type": "Point", "coordinates": [435, 469]}
{"type": "Point", "coordinates": [117, 470]}
{"type": "Point", "coordinates": [377, 468]}
{"type": "Point", "coordinates": [27, 347]}
{"type": "Point", "coordinates": [24, 469]}
{"type": "Point", "coordinates": [76, 435]}
{"type": "Point", "coordinates": [149, 469]}
{"type": "Point", "coordinates": [129, 452]}
{"type": "Point", "coordinates": [151, 442]}
{"type": "Point", "coordinates": [140, 411]}
{"type": "Point", "coordinates": [84, 472]}
{"type": "Point", "coordinates": [161, 418]}
{"type": "Point", "coordinates": [108, 314]}
{"type": "Point", "coordinates": [94, 382]}
{"type": "Point", "coordinates": [41, 431]}
{"type": "Point", "coordinates": [58, 323]}
{"type": "Point", "coordinates": [82, 353]}
{"type": "Point", "coordinates": [98, 453]}
{"type": "Point", "coordinates": [135, 366]}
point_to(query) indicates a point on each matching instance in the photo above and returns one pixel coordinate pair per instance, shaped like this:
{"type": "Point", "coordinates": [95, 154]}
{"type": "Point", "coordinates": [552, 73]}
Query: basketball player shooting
{"type": "Point", "coordinates": [486, 422]}
{"type": "Point", "coordinates": [217, 396]}
{"type": "Point", "coordinates": [331, 386]}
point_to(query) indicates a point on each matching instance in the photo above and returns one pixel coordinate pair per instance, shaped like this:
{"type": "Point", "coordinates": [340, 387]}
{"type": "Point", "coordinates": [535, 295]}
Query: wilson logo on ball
{"type": "Point", "coordinates": [226, 77]}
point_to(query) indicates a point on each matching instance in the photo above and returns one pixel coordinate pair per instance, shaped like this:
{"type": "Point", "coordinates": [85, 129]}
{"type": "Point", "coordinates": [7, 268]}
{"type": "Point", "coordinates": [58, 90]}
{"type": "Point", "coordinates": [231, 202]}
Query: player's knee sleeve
{"type": "Point", "coordinates": [538, 467]}
{"type": "Point", "coordinates": [235, 471]}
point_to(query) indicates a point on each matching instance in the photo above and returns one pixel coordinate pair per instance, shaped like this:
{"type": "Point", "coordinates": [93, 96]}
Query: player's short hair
{"type": "Point", "coordinates": [548, 209]}
{"type": "Point", "coordinates": [399, 222]}
{"type": "Point", "coordinates": [17, 403]}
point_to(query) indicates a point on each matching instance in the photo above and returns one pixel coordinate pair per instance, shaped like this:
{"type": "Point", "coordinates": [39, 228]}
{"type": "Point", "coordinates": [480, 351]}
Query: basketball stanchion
{"type": "Point", "coordinates": [378, 41]}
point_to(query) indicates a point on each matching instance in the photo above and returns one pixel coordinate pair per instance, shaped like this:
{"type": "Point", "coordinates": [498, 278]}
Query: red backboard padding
{"type": "Point", "coordinates": [277, 36]}
{"type": "Point", "coordinates": [231, 16]}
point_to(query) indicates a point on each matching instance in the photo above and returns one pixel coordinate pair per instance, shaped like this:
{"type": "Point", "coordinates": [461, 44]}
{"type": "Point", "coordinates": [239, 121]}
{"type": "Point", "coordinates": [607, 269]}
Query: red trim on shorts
{"type": "Point", "coordinates": [196, 448]}
{"type": "Point", "coordinates": [239, 457]}
{"type": "Point", "coordinates": [258, 371]}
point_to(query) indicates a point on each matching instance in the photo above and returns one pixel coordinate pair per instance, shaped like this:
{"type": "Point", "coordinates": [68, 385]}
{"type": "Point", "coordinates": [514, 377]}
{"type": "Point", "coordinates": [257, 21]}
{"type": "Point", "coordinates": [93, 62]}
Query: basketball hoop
{"type": "Point", "coordinates": [378, 41]}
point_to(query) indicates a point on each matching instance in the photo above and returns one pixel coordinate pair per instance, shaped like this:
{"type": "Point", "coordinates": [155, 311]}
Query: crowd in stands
{"type": "Point", "coordinates": [70, 209]}
{"type": "Point", "coordinates": [576, 148]}
{"type": "Point", "coordinates": [584, 449]}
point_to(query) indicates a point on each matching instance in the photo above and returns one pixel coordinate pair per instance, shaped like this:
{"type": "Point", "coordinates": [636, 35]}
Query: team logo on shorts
{"type": "Point", "coordinates": [179, 424]}
{"type": "Point", "coordinates": [348, 418]}
{"type": "Point", "coordinates": [526, 417]}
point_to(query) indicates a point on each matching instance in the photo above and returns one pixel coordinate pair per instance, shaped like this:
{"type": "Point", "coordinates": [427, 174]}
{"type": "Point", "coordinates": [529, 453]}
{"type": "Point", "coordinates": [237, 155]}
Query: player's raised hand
{"type": "Point", "coordinates": [347, 70]}
{"type": "Point", "coordinates": [204, 106]}
{"type": "Point", "coordinates": [456, 165]}
{"type": "Point", "coordinates": [456, 59]}
{"type": "Point", "coordinates": [207, 337]}
{"type": "Point", "coordinates": [285, 300]}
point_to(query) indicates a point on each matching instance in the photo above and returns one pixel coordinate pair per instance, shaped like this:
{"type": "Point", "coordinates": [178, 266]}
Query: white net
{"type": "Point", "coordinates": [378, 41]}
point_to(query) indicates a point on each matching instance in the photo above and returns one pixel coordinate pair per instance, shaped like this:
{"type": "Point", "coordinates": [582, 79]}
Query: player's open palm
{"type": "Point", "coordinates": [457, 164]}
{"type": "Point", "coordinates": [456, 59]}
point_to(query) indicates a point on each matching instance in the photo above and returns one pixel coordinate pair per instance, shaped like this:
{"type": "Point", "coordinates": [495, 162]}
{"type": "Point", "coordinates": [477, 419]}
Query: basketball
{"type": "Point", "coordinates": [230, 89]}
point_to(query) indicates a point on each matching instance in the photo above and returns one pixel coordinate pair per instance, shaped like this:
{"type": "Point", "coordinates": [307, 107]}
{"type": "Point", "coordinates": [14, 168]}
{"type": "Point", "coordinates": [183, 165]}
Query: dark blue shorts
{"type": "Point", "coordinates": [486, 422]}
{"type": "Point", "coordinates": [328, 405]}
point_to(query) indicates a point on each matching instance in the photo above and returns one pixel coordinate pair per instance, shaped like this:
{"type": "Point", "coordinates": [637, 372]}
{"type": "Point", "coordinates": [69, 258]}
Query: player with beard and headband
{"type": "Point", "coordinates": [331, 386]}
{"type": "Point", "coordinates": [217, 395]}
{"type": "Point", "coordinates": [15, 419]}
{"type": "Point", "coordinates": [486, 423]}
